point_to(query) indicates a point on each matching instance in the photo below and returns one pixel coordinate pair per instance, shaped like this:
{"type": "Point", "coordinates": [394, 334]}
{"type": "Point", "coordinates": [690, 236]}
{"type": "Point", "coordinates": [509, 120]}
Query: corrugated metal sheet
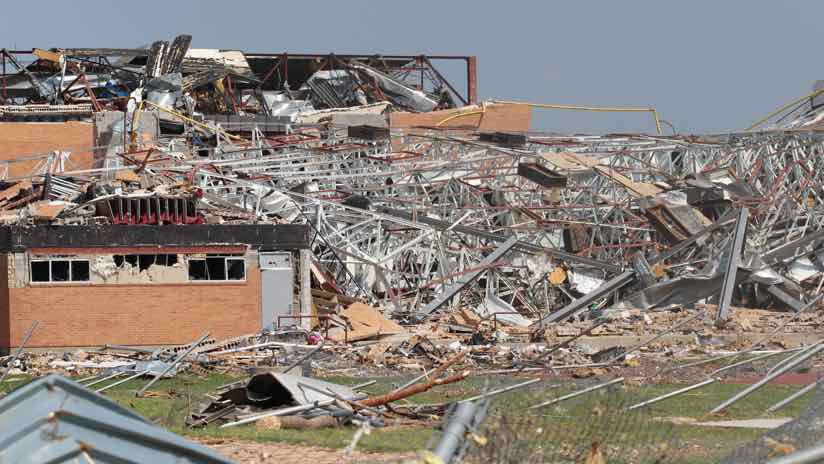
{"type": "Point", "coordinates": [56, 420]}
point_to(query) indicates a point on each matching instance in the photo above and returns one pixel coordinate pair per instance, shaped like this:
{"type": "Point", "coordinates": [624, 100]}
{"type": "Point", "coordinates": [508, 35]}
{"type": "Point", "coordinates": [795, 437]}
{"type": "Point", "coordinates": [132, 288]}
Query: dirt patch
{"type": "Point", "coordinates": [248, 452]}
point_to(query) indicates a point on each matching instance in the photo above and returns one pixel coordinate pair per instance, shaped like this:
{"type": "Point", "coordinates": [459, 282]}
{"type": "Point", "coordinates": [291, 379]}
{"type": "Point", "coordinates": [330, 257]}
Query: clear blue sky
{"type": "Point", "coordinates": [707, 65]}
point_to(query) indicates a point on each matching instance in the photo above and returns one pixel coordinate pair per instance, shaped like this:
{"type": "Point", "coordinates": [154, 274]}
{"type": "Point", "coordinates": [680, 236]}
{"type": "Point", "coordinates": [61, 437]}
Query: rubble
{"type": "Point", "coordinates": [347, 217]}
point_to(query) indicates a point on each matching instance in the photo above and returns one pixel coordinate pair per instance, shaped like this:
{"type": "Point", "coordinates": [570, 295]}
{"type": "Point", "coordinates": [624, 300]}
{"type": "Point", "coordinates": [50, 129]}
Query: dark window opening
{"type": "Point", "coordinates": [60, 271]}
{"type": "Point", "coordinates": [40, 271]}
{"type": "Point", "coordinates": [220, 268]}
{"type": "Point", "coordinates": [216, 267]}
{"type": "Point", "coordinates": [197, 269]}
{"type": "Point", "coordinates": [235, 268]}
{"type": "Point", "coordinates": [166, 260]}
{"type": "Point", "coordinates": [80, 271]}
{"type": "Point", "coordinates": [144, 261]}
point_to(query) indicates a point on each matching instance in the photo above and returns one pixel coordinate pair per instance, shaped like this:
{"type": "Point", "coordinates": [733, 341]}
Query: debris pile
{"type": "Point", "coordinates": [445, 237]}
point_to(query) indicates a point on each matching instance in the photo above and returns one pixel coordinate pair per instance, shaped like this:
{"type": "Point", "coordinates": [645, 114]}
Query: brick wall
{"type": "Point", "coordinates": [151, 314]}
{"type": "Point", "coordinates": [21, 139]}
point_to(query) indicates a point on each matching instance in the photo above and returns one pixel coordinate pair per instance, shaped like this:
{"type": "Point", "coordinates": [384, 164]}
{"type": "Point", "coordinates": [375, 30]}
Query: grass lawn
{"type": "Point", "coordinates": [594, 417]}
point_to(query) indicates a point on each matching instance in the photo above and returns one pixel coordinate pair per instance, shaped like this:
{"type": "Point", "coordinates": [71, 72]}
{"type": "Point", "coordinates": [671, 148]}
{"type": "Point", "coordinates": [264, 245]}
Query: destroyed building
{"type": "Point", "coordinates": [416, 200]}
{"type": "Point", "coordinates": [260, 201]}
{"type": "Point", "coordinates": [413, 203]}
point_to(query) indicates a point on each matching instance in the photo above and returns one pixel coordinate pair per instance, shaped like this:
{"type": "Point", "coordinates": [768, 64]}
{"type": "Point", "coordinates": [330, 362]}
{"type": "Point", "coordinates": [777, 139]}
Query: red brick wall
{"type": "Point", "coordinates": [21, 139]}
{"type": "Point", "coordinates": [149, 314]}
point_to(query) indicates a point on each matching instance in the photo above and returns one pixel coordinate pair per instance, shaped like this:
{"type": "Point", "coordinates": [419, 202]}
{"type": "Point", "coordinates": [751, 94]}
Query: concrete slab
{"type": "Point", "coordinates": [762, 423]}
{"type": "Point", "coordinates": [771, 423]}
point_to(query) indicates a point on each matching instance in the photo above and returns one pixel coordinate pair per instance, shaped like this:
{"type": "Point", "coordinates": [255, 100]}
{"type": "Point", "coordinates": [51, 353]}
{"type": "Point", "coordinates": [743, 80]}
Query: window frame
{"type": "Point", "coordinates": [208, 278]}
{"type": "Point", "coordinates": [51, 280]}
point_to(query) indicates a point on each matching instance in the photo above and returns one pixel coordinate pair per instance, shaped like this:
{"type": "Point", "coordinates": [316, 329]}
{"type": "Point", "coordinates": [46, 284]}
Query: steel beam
{"type": "Point", "coordinates": [732, 268]}
{"type": "Point", "coordinates": [466, 279]}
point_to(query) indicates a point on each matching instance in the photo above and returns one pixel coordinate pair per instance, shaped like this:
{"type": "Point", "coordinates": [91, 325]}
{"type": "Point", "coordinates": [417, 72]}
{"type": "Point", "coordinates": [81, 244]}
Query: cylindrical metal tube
{"type": "Point", "coordinates": [500, 390]}
{"type": "Point", "coordinates": [786, 368]}
{"type": "Point", "coordinates": [671, 394]}
{"type": "Point", "coordinates": [578, 393]}
{"type": "Point", "coordinates": [751, 360]}
{"type": "Point", "coordinates": [453, 434]}
{"type": "Point", "coordinates": [792, 397]}
{"type": "Point", "coordinates": [288, 411]}
{"type": "Point", "coordinates": [303, 358]}
{"type": "Point", "coordinates": [18, 353]}
{"type": "Point", "coordinates": [134, 376]}
{"type": "Point", "coordinates": [173, 364]}
{"type": "Point", "coordinates": [108, 377]}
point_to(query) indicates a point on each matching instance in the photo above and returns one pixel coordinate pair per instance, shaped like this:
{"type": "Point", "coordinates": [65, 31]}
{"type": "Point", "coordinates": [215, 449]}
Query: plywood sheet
{"type": "Point", "coordinates": [365, 322]}
{"type": "Point", "coordinates": [496, 117]}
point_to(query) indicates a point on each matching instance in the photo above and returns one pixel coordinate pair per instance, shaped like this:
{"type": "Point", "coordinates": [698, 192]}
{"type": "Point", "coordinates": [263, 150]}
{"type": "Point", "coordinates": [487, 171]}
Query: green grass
{"type": "Point", "coordinates": [564, 419]}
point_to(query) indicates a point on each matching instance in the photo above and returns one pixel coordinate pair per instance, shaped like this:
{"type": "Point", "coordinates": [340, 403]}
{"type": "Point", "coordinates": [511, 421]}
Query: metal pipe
{"type": "Point", "coordinates": [502, 390]}
{"type": "Point", "coordinates": [102, 389]}
{"type": "Point", "coordinates": [18, 353]}
{"type": "Point", "coordinates": [173, 364]}
{"type": "Point", "coordinates": [569, 341]}
{"type": "Point", "coordinates": [751, 360]}
{"type": "Point", "coordinates": [364, 384]}
{"type": "Point", "coordinates": [108, 377]}
{"type": "Point", "coordinates": [793, 397]}
{"type": "Point", "coordinates": [288, 411]}
{"type": "Point", "coordinates": [460, 422]}
{"type": "Point", "coordinates": [784, 361]}
{"type": "Point", "coordinates": [86, 379]}
{"type": "Point", "coordinates": [728, 284]}
{"type": "Point", "coordinates": [755, 344]}
{"type": "Point", "coordinates": [656, 337]}
{"type": "Point", "coordinates": [334, 395]}
{"type": "Point", "coordinates": [416, 379]}
{"type": "Point", "coordinates": [671, 394]}
{"type": "Point", "coordinates": [260, 345]}
{"type": "Point", "coordinates": [791, 365]}
{"type": "Point", "coordinates": [578, 393]}
{"type": "Point", "coordinates": [303, 358]}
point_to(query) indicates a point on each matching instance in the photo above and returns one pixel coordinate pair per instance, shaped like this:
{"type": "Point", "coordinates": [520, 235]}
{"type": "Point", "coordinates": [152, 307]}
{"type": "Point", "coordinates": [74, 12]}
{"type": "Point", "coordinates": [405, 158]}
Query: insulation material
{"type": "Point", "coordinates": [502, 311]}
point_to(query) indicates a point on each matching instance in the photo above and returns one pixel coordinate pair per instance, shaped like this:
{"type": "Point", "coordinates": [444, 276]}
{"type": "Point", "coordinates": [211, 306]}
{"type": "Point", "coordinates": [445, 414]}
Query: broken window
{"type": "Point", "coordinates": [144, 261]}
{"type": "Point", "coordinates": [217, 268]}
{"type": "Point", "coordinates": [60, 270]}
{"type": "Point", "coordinates": [235, 268]}
{"type": "Point", "coordinates": [166, 260]}
{"type": "Point", "coordinates": [197, 269]}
